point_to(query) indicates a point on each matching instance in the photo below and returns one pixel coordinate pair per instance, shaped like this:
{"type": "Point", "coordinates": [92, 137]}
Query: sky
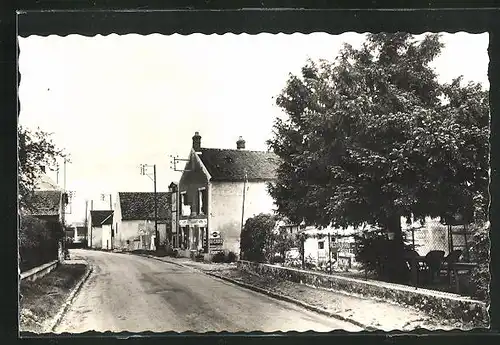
{"type": "Point", "coordinates": [115, 102]}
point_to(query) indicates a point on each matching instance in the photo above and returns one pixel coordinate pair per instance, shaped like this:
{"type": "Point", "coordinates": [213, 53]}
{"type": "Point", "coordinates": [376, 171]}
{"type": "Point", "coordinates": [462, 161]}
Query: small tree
{"type": "Point", "coordinates": [283, 242]}
{"type": "Point", "coordinates": [35, 151]}
{"type": "Point", "coordinates": [257, 238]}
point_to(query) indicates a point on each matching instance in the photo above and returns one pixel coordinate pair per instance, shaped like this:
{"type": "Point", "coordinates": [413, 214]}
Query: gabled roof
{"type": "Point", "coordinates": [101, 217]}
{"type": "Point", "coordinates": [140, 205]}
{"type": "Point", "coordinates": [231, 165]}
{"type": "Point", "coordinates": [45, 202]}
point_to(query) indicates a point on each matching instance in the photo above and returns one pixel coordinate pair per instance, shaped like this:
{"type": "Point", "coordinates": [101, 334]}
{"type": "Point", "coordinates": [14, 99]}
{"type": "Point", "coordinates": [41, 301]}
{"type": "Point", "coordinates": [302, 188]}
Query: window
{"type": "Point", "coordinates": [184, 200]}
{"type": "Point", "coordinates": [321, 245]}
{"type": "Point", "coordinates": [116, 228]}
{"type": "Point", "coordinates": [202, 201]}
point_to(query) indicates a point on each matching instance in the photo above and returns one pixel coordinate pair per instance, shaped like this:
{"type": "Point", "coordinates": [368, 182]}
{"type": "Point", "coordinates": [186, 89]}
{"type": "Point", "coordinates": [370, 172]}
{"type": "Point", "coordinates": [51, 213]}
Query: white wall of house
{"type": "Point", "coordinates": [106, 237]}
{"type": "Point", "coordinates": [226, 201]}
{"type": "Point", "coordinates": [96, 236]}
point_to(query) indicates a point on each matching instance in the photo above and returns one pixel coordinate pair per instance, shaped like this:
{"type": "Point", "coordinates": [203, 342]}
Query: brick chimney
{"type": "Point", "coordinates": [196, 141]}
{"type": "Point", "coordinates": [240, 144]}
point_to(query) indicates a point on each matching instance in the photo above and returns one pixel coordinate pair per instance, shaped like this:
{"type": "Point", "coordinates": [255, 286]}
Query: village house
{"type": "Point", "coordinates": [338, 245]}
{"type": "Point", "coordinates": [48, 203]}
{"type": "Point", "coordinates": [134, 220]}
{"type": "Point", "coordinates": [100, 229]}
{"type": "Point", "coordinates": [218, 191]}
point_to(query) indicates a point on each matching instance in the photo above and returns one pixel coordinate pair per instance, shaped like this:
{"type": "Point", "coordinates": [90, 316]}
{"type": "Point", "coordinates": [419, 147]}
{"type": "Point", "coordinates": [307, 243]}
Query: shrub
{"type": "Point", "coordinates": [231, 257]}
{"type": "Point", "coordinates": [276, 260]}
{"type": "Point", "coordinates": [219, 257]}
{"type": "Point", "coordinates": [480, 253]}
{"type": "Point", "coordinates": [38, 242]}
{"type": "Point", "coordinates": [378, 254]}
{"type": "Point", "coordinates": [257, 238]}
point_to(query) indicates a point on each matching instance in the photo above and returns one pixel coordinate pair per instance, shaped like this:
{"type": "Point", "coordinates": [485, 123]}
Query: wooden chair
{"type": "Point", "coordinates": [434, 260]}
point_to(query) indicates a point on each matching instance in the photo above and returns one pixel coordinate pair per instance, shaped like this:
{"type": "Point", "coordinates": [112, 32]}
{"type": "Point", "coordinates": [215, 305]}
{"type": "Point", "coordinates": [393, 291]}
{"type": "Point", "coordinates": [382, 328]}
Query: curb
{"type": "Point", "coordinates": [273, 295]}
{"type": "Point", "coordinates": [59, 316]}
{"type": "Point", "coordinates": [293, 301]}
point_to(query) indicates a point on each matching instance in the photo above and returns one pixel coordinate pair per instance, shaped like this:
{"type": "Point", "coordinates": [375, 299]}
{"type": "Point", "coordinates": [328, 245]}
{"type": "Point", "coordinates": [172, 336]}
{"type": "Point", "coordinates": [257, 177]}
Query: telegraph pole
{"type": "Point", "coordinates": [143, 172]}
{"type": "Point", "coordinates": [65, 174]}
{"type": "Point", "coordinates": [157, 237]}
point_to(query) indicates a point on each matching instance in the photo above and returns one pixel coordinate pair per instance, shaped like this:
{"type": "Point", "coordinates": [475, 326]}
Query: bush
{"type": "Point", "coordinates": [38, 242]}
{"type": "Point", "coordinates": [382, 256]}
{"type": "Point", "coordinates": [231, 257]}
{"type": "Point", "coordinates": [276, 260]}
{"type": "Point", "coordinates": [219, 257]}
{"type": "Point", "coordinates": [479, 253]}
{"type": "Point", "coordinates": [199, 256]}
{"type": "Point", "coordinates": [257, 238]}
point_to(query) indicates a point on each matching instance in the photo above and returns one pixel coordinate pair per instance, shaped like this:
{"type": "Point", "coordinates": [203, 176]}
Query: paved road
{"type": "Point", "coordinates": [136, 294]}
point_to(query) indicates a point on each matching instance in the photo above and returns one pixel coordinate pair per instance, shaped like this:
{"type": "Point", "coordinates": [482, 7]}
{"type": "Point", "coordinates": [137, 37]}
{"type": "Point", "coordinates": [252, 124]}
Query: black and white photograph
{"type": "Point", "coordinates": [266, 182]}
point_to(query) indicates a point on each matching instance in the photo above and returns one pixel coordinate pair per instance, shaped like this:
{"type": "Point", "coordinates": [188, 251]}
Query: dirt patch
{"type": "Point", "coordinates": [40, 300]}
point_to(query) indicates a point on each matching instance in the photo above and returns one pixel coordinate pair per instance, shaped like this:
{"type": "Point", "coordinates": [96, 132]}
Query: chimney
{"type": "Point", "coordinates": [240, 144]}
{"type": "Point", "coordinates": [196, 141]}
{"type": "Point", "coordinates": [43, 168]}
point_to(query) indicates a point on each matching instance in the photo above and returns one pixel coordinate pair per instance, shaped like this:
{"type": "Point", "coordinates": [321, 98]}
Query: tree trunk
{"type": "Point", "coordinates": [395, 266]}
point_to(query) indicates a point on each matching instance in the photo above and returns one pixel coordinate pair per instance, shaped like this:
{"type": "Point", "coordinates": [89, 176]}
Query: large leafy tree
{"type": "Point", "coordinates": [373, 136]}
{"type": "Point", "coordinates": [36, 150]}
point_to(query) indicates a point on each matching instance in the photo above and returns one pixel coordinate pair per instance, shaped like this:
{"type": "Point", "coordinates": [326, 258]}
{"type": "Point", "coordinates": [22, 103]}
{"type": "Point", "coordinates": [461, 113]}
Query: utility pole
{"type": "Point", "coordinates": [243, 204]}
{"type": "Point", "coordinates": [86, 222]}
{"type": "Point", "coordinates": [57, 173]}
{"type": "Point", "coordinates": [65, 174]}
{"type": "Point", "coordinates": [144, 172]}
{"type": "Point", "coordinates": [91, 227]}
{"type": "Point", "coordinates": [157, 237]}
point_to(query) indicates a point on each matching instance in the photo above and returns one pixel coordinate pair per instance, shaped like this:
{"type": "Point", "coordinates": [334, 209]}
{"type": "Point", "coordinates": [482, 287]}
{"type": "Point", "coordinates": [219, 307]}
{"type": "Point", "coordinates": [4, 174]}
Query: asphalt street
{"type": "Point", "coordinates": [138, 294]}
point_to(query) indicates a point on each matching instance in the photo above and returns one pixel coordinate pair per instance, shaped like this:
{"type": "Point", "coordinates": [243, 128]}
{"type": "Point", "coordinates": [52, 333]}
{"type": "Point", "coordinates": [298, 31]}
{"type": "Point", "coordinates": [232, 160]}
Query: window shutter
{"type": "Point", "coordinates": [205, 201]}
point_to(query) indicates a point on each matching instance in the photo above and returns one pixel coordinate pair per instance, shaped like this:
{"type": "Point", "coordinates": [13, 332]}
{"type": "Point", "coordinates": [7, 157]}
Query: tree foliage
{"type": "Point", "coordinates": [257, 238]}
{"type": "Point", "coordinates": [373, 136]}
{"type": "Point", "coordinates": [35, 151]}
{"type": "Point", "coordinates": [480, 253]}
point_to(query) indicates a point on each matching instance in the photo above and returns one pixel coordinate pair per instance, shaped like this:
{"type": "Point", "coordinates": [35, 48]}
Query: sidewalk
{"type": "Point", "coordinates": [368, 312]}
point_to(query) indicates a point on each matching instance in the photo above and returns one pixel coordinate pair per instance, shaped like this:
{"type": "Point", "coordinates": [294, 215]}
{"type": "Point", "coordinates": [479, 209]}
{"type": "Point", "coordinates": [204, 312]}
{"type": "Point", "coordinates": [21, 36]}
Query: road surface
{"type": "Point", "coordinates": [138, 294]}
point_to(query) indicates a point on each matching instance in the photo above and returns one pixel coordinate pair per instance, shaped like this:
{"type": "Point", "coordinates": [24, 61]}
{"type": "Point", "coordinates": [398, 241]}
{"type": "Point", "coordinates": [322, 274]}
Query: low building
{"type": "Point", "coordinates": [134, 219]}
{"type": "Point", "coordinates": [99, 226]}
{"type": "Point", "coordinates": [218, 191]}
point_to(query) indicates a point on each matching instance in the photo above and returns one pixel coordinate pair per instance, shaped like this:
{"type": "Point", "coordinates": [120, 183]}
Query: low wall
{"type": "Point", "coordinates": [447, 305]}
{"type": "Point", "coordinates": [40, 271]}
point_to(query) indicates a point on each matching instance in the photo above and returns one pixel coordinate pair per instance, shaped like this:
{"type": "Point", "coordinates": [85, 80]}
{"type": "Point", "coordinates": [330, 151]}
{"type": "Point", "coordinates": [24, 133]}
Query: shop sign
{"type": "Point", "coordinates": [216, 241]}
{"type": "Point", "coordinates": [193, 222]}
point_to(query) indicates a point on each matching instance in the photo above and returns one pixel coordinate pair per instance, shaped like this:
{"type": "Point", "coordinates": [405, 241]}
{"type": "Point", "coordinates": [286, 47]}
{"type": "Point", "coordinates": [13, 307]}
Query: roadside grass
{"type": "Point", "coordinates": [40, 300]}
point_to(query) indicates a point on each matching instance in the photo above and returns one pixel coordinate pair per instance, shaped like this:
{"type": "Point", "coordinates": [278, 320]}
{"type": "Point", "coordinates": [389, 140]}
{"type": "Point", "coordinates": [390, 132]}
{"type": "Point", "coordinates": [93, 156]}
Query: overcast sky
{"type": "Point", "coordinates": [114, 102]}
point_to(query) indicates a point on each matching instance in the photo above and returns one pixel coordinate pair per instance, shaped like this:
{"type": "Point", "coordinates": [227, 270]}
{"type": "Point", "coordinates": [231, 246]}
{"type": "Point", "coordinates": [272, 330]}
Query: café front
{"type": "Point", "coordinates": [195, 238]}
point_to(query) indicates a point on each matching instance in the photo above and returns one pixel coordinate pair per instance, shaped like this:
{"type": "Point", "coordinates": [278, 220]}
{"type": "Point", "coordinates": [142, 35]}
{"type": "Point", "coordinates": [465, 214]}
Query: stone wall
{"type": "Point", "coordinates": [440, 304]}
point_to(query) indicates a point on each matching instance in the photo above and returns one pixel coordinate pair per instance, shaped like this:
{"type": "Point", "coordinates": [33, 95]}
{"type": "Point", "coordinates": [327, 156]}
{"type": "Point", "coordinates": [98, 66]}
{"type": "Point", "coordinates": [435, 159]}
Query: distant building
{"type": "Point", "coordinates": [213, 188]}
{"type": "Point", "coordinates": [100, 232]}
{"type": "Point", "coordinates": [134, 219]}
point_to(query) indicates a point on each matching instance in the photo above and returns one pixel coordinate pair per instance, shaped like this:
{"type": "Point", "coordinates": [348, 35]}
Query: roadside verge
{"type": "Point", "coordinates": [69, 300]}
{"type": "Point", "coordinates": [43, 302]}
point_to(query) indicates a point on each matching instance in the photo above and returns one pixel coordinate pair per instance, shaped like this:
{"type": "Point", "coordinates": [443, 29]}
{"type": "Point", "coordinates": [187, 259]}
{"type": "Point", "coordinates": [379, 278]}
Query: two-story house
{"type": "Point", "coordinates": [218, 191]}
